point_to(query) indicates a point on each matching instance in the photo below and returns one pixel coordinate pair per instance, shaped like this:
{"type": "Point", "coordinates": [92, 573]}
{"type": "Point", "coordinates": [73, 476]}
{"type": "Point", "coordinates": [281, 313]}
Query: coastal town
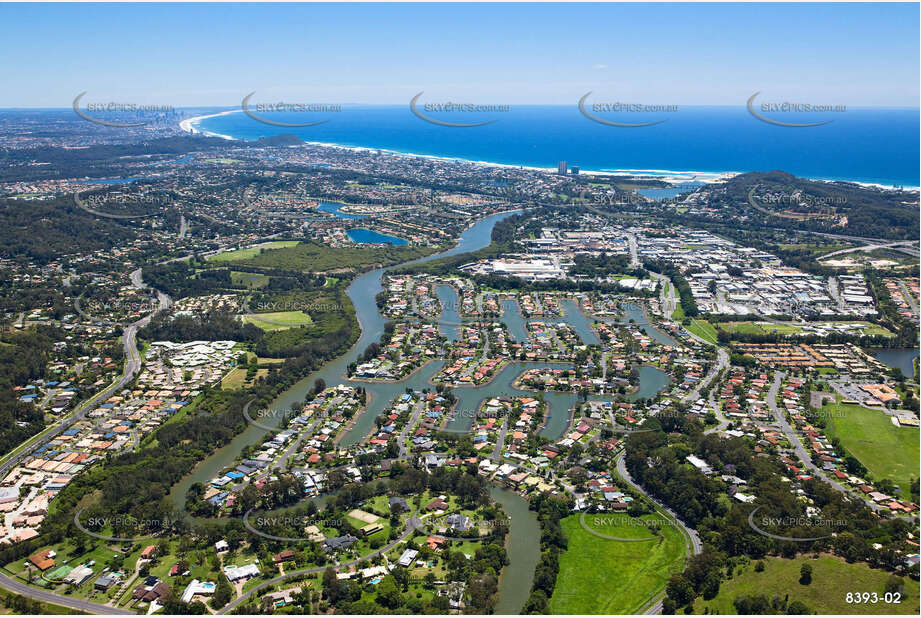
{"type": "Point", "coordinates": [275, 375]}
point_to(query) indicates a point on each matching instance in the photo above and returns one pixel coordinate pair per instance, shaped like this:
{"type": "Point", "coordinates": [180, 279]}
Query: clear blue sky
{"type": "Point", "coordinates": [690, 54]}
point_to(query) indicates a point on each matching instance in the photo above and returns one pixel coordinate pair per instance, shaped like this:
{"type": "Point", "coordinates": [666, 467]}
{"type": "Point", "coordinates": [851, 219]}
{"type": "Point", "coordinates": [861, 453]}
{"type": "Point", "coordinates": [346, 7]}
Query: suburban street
{"type": "Point", "coordinates": [132, 367]}
{"type": "Point", "coordinates": [14, 585]}
{"type": "Point", "coordinates": [798, 447]}
{"type": "Point", "coordinates": [411, 525]}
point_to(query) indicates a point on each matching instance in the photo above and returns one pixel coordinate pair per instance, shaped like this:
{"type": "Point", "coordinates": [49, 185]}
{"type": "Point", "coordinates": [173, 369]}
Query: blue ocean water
{"type": "Point", "coordinates": [873, 145]}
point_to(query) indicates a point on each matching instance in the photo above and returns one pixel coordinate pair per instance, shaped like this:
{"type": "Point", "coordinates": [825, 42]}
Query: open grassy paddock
{"type": "Point", "coordinates": [832, 579]}
{"type": "Point", "coordinates": [885, 450]}
{"type": "Point", "coordinates": [605, 576]}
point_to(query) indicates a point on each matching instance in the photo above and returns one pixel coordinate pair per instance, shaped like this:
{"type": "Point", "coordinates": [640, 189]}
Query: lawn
{"type": "Point", "coordinates": [253, 281]}
{"type": "Point", "coordinates": [763, 328]}
{"type": "Point", "coordinates": [250, 252]}
{"type": "Point", "coordinates": [832, 579]}
{"type": "Point", "coordinates": [279, 320]}
{"type": "Point", "coordinates": [703, 329]}
{"type": "Point", "coordinates": [316, 257]}
{"type": "Point", "coordinates": [236, 379]}
{"type": "Point", "coordinates": [885, 450]}
{"type": "Point", "coordinates": [606, 576]}
{"type": "Point", "coordinates": [678, 313]}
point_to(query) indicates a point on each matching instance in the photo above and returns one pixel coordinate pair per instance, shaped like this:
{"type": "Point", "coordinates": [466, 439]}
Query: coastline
{"type": "Point", "coordinates": [190, 125]}
{"type": "Point", "coordinates": [670, 176]}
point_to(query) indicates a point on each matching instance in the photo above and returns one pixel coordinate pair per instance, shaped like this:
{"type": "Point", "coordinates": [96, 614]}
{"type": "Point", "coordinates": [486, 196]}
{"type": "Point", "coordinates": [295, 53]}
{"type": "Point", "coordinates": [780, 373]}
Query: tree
{"type": "Point", "coordinates": [388, 593]}
{"type": "Point", "coordinates": [222, 593]}
{"type": "Point", "coordinates": [331, 585]}
{"type": "Point", "coordinates": [805, 574]}
{"type": "Point", "coordinates": [798, 608]}
{"type": "Point", "coordinates": [679, 589]}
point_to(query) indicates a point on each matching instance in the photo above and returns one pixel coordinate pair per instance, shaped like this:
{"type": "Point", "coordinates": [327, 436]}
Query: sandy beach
{"type": "Point", "coordinates": [189, 124]}
{"type": "Point", "coordinates": [669, 176]}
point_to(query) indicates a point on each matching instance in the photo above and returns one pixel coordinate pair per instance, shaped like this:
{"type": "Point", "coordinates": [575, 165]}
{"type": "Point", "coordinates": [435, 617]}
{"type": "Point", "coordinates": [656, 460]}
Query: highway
{"type": "Point", "coordinates": [132, 366]}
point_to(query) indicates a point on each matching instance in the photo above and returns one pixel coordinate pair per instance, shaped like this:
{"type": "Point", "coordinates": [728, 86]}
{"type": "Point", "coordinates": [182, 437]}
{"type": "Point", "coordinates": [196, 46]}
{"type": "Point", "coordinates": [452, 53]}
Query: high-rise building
{"type": "Point", "coordinates": [575, 170]}
{"type": "Point", "coordinates": [561, 168]}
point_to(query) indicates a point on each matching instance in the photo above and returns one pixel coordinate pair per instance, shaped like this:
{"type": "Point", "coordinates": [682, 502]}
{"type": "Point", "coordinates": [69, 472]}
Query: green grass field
{"type": "Point", "coordinates": [253, 281]}
{"type": "Point", "coordinates": [678, 313]}
{"type": "Point", "coordinates": [885, 450]}
{"type": "Point", "coordinates": [250, 252]}
{"type": "Point", "coordinates": [279, 320]}
{"type": "Point", "coordinates": [832, 579]}
{"type": "Point", "coordinates": [316, 257]}
{"type": "Point", "coordinates": [703, 329]}
{"type": "Point", "coordinates": [764, 328]}
{"type": "Point", "coordinates": [605, 576]}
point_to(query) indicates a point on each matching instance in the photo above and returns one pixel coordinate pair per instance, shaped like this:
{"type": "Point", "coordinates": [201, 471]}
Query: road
{"type": "Point", "coordinates": [835, 294]}
{"type": "Point", "coordinates": [634, 251]}
{"type": "Point", "coordinates": [411, 524]}
{"type": "Point", "coordinates": [904, 246]}
{"type": "Point", "coordinates": [14, 585]}
{"type": "Point", "coordinates": [692, 540]}
{"type": "Point", "coordinates": [404, 434]}
{"type": "Point", "coordinates": [722, 361]}
{"type": "Point", "coordinates": [500, 441]}
{"type": "Point", "coordinates": [908, 297]}
{"type": "Point", "coordinates": [132, 366]}
{"type": "Point", "coordinates": [798, 447]}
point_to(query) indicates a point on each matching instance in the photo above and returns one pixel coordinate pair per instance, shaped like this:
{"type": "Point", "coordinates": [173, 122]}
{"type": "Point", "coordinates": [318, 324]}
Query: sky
{"type": "Point", "coordinates": [516, 54]}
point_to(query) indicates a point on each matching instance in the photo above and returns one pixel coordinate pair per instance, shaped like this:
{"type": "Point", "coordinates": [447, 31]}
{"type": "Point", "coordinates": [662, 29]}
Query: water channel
{"type": "Point", "coordinates": [523, 546]}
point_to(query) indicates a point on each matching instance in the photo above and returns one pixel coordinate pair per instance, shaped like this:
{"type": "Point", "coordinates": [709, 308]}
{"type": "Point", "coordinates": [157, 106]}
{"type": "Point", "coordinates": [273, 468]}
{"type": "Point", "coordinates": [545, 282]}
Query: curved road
{"type": "Point", "coordinates": [800, 450]}
{"type": "Point", "coordinates": [132, 366]}
{"type": "Point", "coordinates": [411, 524]}
{"type": "Point", "coordinates": [695, 546]}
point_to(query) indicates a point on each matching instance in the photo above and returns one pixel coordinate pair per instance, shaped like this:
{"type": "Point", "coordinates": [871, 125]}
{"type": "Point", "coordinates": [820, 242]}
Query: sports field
{"type": "Point", "coordinates": [885, 450]}
{"type": "Point", "coordinates": [279, 320]}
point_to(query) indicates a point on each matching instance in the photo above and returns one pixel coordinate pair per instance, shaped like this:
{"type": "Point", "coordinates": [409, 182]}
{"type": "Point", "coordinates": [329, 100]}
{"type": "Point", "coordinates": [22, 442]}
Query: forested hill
{"type": "Point", "coordinates": [98, 160]}
{"type": "Point", "coordinates": [783, 200]}
{"type": "Point", "coordinates": [43, 231]}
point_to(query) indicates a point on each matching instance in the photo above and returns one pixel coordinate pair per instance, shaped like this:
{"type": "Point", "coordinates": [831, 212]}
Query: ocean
{"type": "Point", "coordinates": [868, 145]}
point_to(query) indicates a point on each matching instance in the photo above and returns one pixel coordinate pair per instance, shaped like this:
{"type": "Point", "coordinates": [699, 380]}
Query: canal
{"type": "Point", "coordinates": [523, 542]}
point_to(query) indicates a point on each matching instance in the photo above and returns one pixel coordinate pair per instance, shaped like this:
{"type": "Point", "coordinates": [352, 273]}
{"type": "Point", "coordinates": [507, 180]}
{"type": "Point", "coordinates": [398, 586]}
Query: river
{"type": "Point", "coordinates": [523, 550]}
{"type": "Point", "coordinates": [362, 292]}
{"type": "Point", "coordinates": [523, 543]}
